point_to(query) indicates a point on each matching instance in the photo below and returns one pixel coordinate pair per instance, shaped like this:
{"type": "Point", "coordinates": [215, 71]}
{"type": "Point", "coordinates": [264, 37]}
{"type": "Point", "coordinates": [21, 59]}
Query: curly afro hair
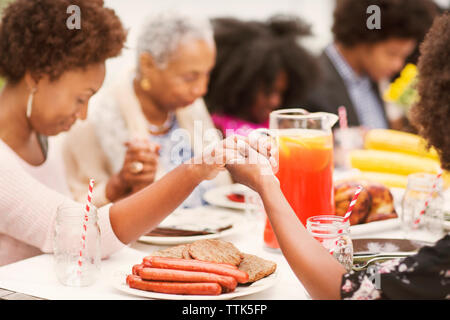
{"type": "Point", "coordinates": [405, 19]}
{"type": "Point", "coordinates": [34, 37]}
{"type": "Point", "coordinates": [250, 54]}
{"type": "Point", "coordinates": [431, 114]}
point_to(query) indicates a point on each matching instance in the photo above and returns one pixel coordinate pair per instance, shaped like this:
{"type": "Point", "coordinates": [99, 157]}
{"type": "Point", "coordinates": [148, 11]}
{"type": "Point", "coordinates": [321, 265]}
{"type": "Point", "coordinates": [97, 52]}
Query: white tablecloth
{"type": "Point", "coordinates": [36, 276]}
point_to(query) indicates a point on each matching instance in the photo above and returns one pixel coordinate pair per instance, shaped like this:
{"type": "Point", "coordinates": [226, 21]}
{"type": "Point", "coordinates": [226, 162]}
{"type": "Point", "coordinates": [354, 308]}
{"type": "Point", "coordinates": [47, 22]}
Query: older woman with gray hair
{"type": "Point", "coordinates": [152, 119]}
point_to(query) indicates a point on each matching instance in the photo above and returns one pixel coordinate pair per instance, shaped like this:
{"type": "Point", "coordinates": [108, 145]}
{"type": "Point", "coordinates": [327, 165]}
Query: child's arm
{"type": "Point", "coordinates": [319, 272]}
{"type": "Point", "coordinates": [313, 265]}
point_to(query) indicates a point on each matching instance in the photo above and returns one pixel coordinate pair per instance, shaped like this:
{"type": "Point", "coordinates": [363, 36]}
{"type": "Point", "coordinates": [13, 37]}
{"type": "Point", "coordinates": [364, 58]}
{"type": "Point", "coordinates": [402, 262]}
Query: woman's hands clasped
{"type": "Point", "coordinates": [138, 170]}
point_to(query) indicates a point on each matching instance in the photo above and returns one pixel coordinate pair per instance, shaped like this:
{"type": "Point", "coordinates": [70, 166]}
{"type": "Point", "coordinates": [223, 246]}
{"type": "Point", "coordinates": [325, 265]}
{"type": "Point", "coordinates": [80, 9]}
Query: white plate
{"type": "Point", "coordinates": [375, 226]}
{"type": "Point", "coordinates": [196, 219]}
{"type": "Point", "coordinates": [118, 281]}
{"type": "Point", "coordinates": [218, 197]}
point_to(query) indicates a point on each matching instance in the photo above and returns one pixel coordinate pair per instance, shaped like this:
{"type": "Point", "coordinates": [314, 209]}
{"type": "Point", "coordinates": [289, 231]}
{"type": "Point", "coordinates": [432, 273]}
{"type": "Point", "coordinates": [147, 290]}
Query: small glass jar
{"type": "Point", "coordinates": [334, 234]}
{"type": "Point", "coordinates": [423, 194]}
{"type": "Point", "coordinates": [77, 261]}
{"type": "Point", "coordinates": [345, 141]}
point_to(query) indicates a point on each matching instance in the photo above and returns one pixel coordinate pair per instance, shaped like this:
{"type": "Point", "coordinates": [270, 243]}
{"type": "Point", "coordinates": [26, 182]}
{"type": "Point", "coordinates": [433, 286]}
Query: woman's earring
{"type": "Point", "coordinates": [145, 84]}
{"type": "Point", "coordinates": [30, 103]}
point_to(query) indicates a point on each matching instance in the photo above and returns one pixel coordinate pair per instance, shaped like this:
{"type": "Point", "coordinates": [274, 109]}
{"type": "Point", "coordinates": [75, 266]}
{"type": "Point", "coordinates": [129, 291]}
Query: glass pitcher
{"type": "Point", "coordinates": [305, 158]}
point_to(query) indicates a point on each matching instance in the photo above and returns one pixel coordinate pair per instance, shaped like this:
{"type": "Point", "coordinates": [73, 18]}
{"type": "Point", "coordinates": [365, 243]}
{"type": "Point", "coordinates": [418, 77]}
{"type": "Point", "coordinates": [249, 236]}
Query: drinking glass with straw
{"type": "Point", "coordinates": [77, 250]}
{"type": "Point", "coordinates": [333, 232]}
{"type": "Point", "coordinates": [342, 111]}
{"type": "Point", "coordinates": [429, 199]}
{"type": "Point", "coordinates": [422, 214]}
{"type": "Point", "coordinates": [346, 222]}
{"type": "Point", "coordinates": [346, 139]}
{"type": "Point", "coordinates": [349, 210]}
{"type": "Point", "coordinates": [87, 209]}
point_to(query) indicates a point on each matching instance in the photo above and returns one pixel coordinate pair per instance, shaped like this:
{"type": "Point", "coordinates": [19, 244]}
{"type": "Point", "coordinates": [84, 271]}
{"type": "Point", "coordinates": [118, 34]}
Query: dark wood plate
{"type": "Point", "coordinates": [379, 245]}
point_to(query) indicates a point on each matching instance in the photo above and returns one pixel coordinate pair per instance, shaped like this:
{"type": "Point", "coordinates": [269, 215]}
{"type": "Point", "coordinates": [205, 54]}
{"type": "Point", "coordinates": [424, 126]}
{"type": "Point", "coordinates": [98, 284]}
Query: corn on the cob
{"type": "Point", "coordinates": [398, 141]}
{"type": "Point", "coordinates": [390, 180]}
{"type": "Point", "coordinates": [392, 162]}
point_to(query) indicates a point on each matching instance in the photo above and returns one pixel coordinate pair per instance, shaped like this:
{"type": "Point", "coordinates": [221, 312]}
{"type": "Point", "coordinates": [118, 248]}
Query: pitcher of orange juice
{"type": "Point", "coordinates": [305, 158]}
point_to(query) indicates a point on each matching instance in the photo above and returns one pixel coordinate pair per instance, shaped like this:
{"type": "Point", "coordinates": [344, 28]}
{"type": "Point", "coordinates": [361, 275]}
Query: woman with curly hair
{"type": "Point", "coordinates": [360, 59]}
{"type": "Point", "coordinates": [52, 72]}
{"type": "Point", "coordinates": [260, 67]}
{"type": "Point", "coordinates": [425, 275]}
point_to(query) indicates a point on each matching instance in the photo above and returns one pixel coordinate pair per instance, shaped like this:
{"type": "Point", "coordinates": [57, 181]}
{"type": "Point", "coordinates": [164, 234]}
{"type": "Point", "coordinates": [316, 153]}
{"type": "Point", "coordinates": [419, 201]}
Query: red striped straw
{"type": "Point", "coordinates": [427, 202]}
{"type": "Point", "coordinates": [352, 204]}
{"type": "Point", "coordinates": [87, 209]}
{"type": "Point", "coordinates": [349, 212]}
{"type": "Point", "coordinates": [342, 117]}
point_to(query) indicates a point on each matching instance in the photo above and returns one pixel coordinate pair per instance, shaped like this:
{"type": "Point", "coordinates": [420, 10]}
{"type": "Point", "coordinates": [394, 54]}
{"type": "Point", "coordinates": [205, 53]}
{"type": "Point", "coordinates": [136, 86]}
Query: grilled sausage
{"type": "Point", "coordinates": [196, 265]}
{"type": "Point", "coordinates": [227, 282]}
{"type": "Point", "coordinates": [199, 288]}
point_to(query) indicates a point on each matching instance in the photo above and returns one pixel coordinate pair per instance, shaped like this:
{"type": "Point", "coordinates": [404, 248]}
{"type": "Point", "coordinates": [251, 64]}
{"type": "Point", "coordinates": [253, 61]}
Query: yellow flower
{"type": "Point", "coordinates": [409, 72]}
{"type": "Point", "coordinates": [393, 93]}
{"type": "Point", "coordinates": [402, 84]}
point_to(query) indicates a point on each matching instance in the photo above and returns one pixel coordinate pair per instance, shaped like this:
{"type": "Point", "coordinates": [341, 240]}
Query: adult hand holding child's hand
{"type": "Point", "coordinates": [257, 162]}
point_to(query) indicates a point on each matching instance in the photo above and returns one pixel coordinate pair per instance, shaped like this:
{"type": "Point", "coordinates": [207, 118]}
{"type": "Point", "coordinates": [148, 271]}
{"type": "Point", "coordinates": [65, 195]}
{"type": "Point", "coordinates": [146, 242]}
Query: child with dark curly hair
{"type": "Point", "coordinates": [260, 67]}
{"type": "Point", "coordinates": [425, 275]}
{"type": "Point", "coordinates": [51, 73]}
{"type": "Point", "coordinates": [431, 115]}
{"type": "Point", "coordinates": [360, 59]}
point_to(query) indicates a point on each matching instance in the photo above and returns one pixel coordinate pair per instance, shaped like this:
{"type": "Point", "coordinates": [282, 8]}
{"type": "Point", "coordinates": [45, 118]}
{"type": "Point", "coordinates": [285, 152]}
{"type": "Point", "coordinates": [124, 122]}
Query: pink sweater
{"type": "Point", "coordinates": [29, 198]}
{"type": "Point", "coordinates": [232, 125]}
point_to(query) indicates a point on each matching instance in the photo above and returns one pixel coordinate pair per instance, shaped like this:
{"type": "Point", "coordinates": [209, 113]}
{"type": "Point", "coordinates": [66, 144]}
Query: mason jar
{"type": "Point", "coordinates": [76, 245]}
{"type": "Point", "coordinates": [334, 234]}
{"type": "Point", "coordinates": [422, 204]}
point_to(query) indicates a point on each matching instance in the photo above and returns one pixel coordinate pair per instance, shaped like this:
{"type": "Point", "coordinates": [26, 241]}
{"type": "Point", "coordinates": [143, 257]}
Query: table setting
{"type": "Point", "coordinates": [41, 281]}
{"type": "Point", "coordinates": [368, 221]}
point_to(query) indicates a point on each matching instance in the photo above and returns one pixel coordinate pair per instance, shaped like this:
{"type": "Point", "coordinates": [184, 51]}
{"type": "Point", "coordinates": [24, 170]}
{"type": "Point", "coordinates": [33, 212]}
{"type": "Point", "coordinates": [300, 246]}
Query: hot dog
{"type": "Point", "coordinates": [137, 269]}
{"type": "Point", "coordinates": [200, 288]}
{"type": "Point", "coordinates": [227, 282]}
{"type": "Point", "coordinates": [147, 262]}
{"type": "Point", "coordinates": [196, 265]}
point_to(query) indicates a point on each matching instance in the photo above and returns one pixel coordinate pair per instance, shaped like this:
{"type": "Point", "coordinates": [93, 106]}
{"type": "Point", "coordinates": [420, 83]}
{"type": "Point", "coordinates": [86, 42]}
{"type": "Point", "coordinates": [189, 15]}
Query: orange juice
{"type": "Point", "coordinates": [305, 174]}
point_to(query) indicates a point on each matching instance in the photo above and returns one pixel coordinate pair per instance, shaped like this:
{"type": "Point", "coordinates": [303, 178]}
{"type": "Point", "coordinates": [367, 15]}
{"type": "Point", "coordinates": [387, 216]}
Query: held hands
{"type": "Point", "coordinates": [260, 163]}
{"type": "Point", "coordinates": [138, 170]}
{"type": "Point", "coordinates": [248, 159]}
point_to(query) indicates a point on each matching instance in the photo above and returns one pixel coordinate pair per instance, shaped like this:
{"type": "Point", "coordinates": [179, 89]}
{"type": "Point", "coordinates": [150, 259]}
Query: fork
{"type": "Point", "coordinates": [377, 258]}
